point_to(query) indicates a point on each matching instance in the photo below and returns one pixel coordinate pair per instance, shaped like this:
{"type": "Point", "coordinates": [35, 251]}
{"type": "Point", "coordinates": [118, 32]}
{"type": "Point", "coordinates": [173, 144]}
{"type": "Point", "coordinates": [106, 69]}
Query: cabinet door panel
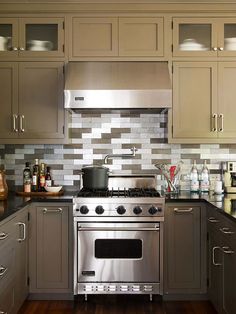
{"type": "Point", "coordinates": [41, 99]}
{"type": "Point", "coordinates": [9, 31]}
{"type": "Point", "coordinates": [227, 98]}
{"type": "Point", "coordinates": [141, 37]}
{"type": "Point", "coordinates": [7, 296]}
{"type": "Point", "coordinates": [94, 37]}
{"type": "Point", "coordinates": [8, 99]}
{"type": "Point", "coordinates": [194, 99]}
{"type": "Point", "coordinates": [52, 248]}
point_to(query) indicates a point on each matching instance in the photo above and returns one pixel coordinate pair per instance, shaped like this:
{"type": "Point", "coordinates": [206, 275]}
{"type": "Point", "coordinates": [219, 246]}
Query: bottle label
{"type": "Point", "coordinates": [48, 183]}
{"type": "Point", "coordinates": [42, 181]}
{"type": "Point", "coordinates": [35, 180]}
{"type": "Point", "coordinates": [194, 186]}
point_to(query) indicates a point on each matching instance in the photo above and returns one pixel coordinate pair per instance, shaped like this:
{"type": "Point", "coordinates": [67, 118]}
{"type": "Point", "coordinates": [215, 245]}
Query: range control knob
{"type": "Point", "coordinates": [137, 210]}
{"type": "Point", "coordinates": [99, 210]}
{"type": "Point", "coordinates": [153, 210]}
{"type": "Point", "coordinates": [84, 209]}
{"type": "Point", "coordinates": [121, 210]}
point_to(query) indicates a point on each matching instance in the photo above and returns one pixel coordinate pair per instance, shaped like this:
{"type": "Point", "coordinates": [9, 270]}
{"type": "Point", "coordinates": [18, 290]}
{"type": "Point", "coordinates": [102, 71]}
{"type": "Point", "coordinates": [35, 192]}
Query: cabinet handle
{"type": "Point", "coordinates": [177, 210]}
{"type": "Point", "coordinates": [22, 117]}
{"type": "Point", "coordinates": [227, 250]}
{"type": "Point", "coordinates": [221, 122]}
{"type": "Point", "coordinates": [214, 48]}
{"type": "Point", "coordinates": [14, 48]}
{"type": "Point", "coordinates": [214, 117]}
{"type": "Point", "coordinates": [213, 256]}
{"type": "Point", "coordinates": [3, 236]}
{"type": "Point", "coordinates": [2, 270]}
{"type": "Point", "coordinates": [59, 210]}
{"type": "Point", "coordinates": [24, 231]}
{"type": "Point", "coordinates": [22, 49]}
{"type": "Point", "coordinates": [212, 219]}
{"type": "Point", "coordinates": [226, 230]}
{"type": "Point", "coordinates": [1, 312]}
{"type": "Point", "coordinates": [14, 116]}
{"type": "Point", "coordinates": [221, 48]}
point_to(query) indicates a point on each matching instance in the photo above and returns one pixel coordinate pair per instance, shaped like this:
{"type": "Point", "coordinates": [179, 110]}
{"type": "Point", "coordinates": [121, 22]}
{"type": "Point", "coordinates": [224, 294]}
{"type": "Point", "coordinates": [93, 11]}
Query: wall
{"type": "Point", "coordinates": [96, 135]}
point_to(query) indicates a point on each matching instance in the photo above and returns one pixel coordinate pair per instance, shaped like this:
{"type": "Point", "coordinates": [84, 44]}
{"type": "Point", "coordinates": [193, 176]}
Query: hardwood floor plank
{"type": "Point", "coordinates": [117, 305]}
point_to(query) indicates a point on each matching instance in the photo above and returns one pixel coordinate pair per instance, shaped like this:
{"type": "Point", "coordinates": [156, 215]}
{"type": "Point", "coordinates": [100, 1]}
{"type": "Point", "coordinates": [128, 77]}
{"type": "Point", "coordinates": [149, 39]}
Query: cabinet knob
{"type": "Point", "coordinates": [214, 48]}
{"type": "Point", "coordinates": [221, 48]}
{"type": "Point", "coordinates": [14, 48]}
{"type": "Point", "coordinates": [22, 48]}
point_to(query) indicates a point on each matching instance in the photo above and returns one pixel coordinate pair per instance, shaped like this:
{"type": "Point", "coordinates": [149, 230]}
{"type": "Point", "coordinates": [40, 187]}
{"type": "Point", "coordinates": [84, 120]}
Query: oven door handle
{"type": "Point", "coordinates": [80, 228]}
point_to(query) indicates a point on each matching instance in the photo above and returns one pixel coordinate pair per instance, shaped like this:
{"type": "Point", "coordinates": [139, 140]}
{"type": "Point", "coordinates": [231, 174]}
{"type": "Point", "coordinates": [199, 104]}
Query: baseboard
{"type": "Point", "coordinates": [50, 296]}
{"type": "Point", "coordinates": [184, 297]}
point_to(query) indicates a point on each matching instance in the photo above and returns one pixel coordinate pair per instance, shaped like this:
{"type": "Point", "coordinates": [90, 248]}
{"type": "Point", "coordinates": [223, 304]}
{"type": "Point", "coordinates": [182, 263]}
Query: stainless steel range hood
{"type": "Point", "coordinates": [117, 85]}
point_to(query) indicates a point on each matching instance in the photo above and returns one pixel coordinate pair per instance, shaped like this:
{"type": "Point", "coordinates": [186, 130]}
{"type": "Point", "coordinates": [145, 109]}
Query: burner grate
{"type": "Point", "coordinates": [130, 192]}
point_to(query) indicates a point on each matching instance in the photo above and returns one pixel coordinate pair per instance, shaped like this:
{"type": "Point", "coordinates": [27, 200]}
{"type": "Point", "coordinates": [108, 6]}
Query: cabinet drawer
{"type": "Point", "coordinates": [7, 298]}
{"type": "Point", "coordinates": [6, 265]}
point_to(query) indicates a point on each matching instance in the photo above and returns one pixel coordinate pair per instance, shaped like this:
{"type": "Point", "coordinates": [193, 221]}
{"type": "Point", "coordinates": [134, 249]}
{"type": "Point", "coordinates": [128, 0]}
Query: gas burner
{"type": "Point", "coordinates": [131, 192]}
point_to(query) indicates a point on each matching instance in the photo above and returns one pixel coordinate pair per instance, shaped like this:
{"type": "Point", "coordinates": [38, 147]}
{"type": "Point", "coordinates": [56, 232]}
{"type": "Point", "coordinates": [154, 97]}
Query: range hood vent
{"type": "Point", "coordinates": [117, 85]}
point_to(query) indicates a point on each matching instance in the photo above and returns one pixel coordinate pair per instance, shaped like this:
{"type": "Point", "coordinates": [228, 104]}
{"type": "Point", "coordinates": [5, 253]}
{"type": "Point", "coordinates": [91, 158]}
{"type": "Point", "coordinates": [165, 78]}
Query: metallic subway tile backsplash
{"type": "Point", "coordinates": [96, 135]}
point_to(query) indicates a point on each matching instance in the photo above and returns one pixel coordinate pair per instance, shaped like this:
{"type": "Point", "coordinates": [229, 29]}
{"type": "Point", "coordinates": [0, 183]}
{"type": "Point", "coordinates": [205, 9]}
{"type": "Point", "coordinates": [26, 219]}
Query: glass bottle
{"type": "Point", "coordinates": [42, 177]}
{"type": "Point", "coordinates": [27, 178]}
{"type": "Point", "coordinates": [205, 183]}
{"type": "Point", "coordinates": [48, 177]}
{"type": "Point", "coordinates": [35, 177]}
{"type": "Point", "coordinates": [194, 182]}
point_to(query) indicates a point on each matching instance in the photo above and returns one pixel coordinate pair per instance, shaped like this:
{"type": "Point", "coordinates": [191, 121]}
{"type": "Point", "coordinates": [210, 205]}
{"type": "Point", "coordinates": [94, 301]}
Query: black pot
{"type": "Point", "coordinates": [95, 177]}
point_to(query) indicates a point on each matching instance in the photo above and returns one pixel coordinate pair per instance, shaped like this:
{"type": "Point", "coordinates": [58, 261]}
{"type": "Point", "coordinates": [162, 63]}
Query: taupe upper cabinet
{"type": "Point", "coordinates": [32, 37]}
{"type": "Point", "coordinates": [204, 37]}
{"type": "Point", "coordinates": [204, 102]}
{"type": "Point", "coordinates": [116, 37]}
{"type": "Point", "coordinates": [141, 37]}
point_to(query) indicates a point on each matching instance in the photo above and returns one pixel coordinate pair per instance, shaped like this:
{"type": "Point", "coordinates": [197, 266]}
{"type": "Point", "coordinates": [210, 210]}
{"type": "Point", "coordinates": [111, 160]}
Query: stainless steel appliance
{"type": "Point", "coordinates": [117, 85]}
{"type": "Point", "coordinates": [230, 177]}
{"type": "Point", "coordinates": [118, 238]}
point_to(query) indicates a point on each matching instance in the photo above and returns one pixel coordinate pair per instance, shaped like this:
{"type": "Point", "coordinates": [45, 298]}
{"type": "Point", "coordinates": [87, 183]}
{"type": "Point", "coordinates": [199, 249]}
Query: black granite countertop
{"type": "Point", "coordinates": [224, 203]}
{"type": "Point", "coordinates": [14, 203]}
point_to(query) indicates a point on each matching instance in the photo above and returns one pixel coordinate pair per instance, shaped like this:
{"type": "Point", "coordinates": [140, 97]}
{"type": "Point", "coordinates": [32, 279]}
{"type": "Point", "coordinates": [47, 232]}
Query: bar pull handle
{"type": "Point", "coordinates": [227, 250]}
{"type": "Point", "coordinates": [214, 127]}
{"type": "Point", "coordinates": [80, 228]}
{"type": "Point", "coordinates": [24, 231]}
{"type": "Point", "coordinates": [59, 210]}
{"type": "Point", "coordinates": [3, 235]}
{"type": "Point", "coordinates": [221, 122]}
{"type": "Point", "coordinates": [212, 220]}
{"type": "Point", "coordinates": [213, 256]}
{"type": "Point", "coordinates": [22, 118]}
{"type": "Point", "coordinates": [188, 210]}
{"type": "Point", "coordinates": [3, 270]}
{"type": "Point", "coordinates": [14, 118]}
{"type": "Point", "coordinates": [226, 230]}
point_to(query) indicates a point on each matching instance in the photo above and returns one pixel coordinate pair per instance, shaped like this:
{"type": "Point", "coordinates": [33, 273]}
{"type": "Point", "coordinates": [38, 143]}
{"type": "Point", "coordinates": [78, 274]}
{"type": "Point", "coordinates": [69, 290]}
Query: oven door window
{"type": "Point", "coordinates": [119, 248]}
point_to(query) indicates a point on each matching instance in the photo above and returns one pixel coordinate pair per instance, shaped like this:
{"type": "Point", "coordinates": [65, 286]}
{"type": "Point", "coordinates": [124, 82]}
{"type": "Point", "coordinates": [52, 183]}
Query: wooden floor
{"type": "Point", "coordinates": [117, 305]}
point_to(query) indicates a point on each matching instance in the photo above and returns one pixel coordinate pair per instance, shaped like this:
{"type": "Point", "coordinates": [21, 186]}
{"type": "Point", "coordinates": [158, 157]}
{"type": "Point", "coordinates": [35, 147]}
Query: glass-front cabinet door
{"type": "Point", "coordinates": [32, 37]}
{"type": "Point", "coordinates": [194, 37]}
{"type": "Point", "coordinates": [8, 36]}
{"type": "Point", "coordinates": [227, 37]}
{"type": "Point", "coordinates": [41, 37]}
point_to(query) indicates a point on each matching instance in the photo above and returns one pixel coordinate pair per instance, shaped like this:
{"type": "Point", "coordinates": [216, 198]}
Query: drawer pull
{"type": "Point", "coordinates": [226, 230]}
{"type": "Point", "coordinates": [1, 312]}
{"type": "Point", "coordinates": [212, 219]}
{"type": "Point", "coordinates": [59, 210]}
{"type": "Point", "coordinates": [3, 236]}
{"type": "Point", "coordinates": [189, 210]}
{"type": "Point", "coordinates": [213, 256]}
{"type": "Point", "coordinates": [2, 270]}
{"type": "Point", "coordinates": [24, 231]}
{"type": "Point", "coordinates": [227, 250]}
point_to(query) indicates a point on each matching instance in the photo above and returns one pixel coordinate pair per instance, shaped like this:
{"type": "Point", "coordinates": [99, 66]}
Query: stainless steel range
{"type": "Point", "coordinates": [118, 238]}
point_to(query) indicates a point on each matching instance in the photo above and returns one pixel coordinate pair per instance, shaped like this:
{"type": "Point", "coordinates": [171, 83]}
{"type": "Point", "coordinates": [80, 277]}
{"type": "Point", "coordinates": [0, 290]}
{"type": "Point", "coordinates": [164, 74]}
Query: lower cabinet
{"type": "Point", "coordinates": [13, 262]}
{"type": "Point", "coordinates": [185, 248]}
{"type": "Point", "coordinates": [221, 262]}
{"type": "Point", "coordinates": [50, 247]}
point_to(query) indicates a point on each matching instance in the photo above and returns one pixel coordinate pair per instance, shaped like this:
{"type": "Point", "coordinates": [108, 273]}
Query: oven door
{"type": "Point", "coordinates": [118, 252]}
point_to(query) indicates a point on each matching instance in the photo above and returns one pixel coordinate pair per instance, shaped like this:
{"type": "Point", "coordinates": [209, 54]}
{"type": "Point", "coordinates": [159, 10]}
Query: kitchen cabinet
{"type": "Point", "coordinates": [50, 241]}
{"type": "Point", "coordinates": [31, 97]}
{"type": "Point", "coordinates": [203, 102]}
{"type": "Point", "coordinates": [7, 267]}
{"type": "Point", "coordinates": [206, 37]}
{"type": "Point", "coordinates": [97, 36]}
{"type": "Point", "coordinates": [221, 262]}
{"type": "Point", "coordinates": [27, 37]}
{"type": "Point", "coordinates": [185, 249]}
{"type": "Point", "coordinates": [116, 37]}
{"type": "Point", "coordinates": [141, 36]}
